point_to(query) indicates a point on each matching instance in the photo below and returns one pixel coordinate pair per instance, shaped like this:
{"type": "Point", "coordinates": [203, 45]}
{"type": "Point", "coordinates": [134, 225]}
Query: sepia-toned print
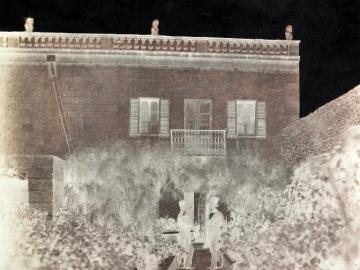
{"type": "Point", "coordinates": [163, 151]}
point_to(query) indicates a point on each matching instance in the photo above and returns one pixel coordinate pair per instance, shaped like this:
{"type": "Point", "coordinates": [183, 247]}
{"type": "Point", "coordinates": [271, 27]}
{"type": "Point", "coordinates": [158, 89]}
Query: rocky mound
{"type": "Point", "coordinates": [323, 129]}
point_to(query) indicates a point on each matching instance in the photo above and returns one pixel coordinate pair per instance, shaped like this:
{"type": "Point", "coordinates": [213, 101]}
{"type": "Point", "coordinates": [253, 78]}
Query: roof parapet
{"type": "Point", "coordinates": [130, 42]}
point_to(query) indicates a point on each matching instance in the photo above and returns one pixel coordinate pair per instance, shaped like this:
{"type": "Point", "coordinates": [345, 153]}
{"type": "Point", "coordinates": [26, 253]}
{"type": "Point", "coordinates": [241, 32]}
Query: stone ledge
{"type": "Point", "coordinates": [205, 61]}
{"type": "Point", "coordinates": [27, 161]}
{"type": "Point", "coordinates": [118, 42]}
{"type": "Point", "coordinates": [33, 166]}
{"type": "Point", "coordinates": [36, 172]}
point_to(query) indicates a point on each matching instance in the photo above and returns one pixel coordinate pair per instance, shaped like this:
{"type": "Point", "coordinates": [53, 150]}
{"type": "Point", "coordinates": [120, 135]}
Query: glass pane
{"type": "Point", "coordinates": [190, 117]}
{"type": "Point", "coordinates": [154, 106]}
{"type": "Point", "coordinates": [190, 124]}
{"type": "Point", "coordinates": [154, 119]}
{"type": "Point", "coordinates": [204, 118]}
{"type": "Point", "coordinates": [204, 121]}
{"type": "Point", "coordinates": [204, 127]}
{"type": "Point", "coordinates": [205, 107]}
{"type": "Point", "coordinates": [191, 108]}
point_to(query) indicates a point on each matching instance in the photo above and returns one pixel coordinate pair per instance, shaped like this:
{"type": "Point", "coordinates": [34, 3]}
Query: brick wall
{"type": "Point", "coordinates": [45, 180]}
{"type": "Point", "coordinates": [96, 100]}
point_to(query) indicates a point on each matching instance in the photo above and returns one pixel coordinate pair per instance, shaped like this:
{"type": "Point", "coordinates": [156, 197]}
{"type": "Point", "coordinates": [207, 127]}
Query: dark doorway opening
{"type": "Point", "coordinates": [169, 201]}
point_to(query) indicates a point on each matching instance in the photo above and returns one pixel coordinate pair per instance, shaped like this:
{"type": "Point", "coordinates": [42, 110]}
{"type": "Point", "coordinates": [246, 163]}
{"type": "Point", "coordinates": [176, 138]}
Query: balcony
{"type": "Point", "coordinates": [199, 142]}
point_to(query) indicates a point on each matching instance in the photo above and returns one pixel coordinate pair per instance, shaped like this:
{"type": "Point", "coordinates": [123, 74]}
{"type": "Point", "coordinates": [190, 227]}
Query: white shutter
{"type": "Point", "coordinates": [144, 115]}
{"type": "Point", "coordinates": [261, 120]}
{"type": "Point", "coordinates": [231, 119]}
{"type": "Point", "coordinates": [164, 118]}
{"type": "Point", "coordinates": [134, 118]}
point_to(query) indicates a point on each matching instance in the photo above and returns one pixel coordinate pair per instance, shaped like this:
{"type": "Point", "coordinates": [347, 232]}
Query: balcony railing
{"type": "Point", "coordinates": [199, 142]}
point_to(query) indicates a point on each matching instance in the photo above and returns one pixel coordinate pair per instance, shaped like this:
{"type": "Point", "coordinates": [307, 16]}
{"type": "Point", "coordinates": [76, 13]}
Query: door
{"type": "Point", "coordinates": [197, 120]}
{"type": "Point", "coordinates": [198, 114]}
{"type": "Point", "coordinates": [200, 215]}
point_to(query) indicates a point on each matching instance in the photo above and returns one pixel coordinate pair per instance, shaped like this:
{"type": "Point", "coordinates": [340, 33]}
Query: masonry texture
{"type": "Point", "coordinates": [45, 176]}
{"type": "Point", "coordinates": [96, 83]}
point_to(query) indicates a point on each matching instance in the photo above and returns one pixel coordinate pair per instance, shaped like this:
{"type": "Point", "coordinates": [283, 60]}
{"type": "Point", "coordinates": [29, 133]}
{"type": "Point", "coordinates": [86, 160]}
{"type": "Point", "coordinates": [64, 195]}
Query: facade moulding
{"type": "Point", "coordinates": [283, 64]}
{"type": "Point", "coordinates": [120, 42]}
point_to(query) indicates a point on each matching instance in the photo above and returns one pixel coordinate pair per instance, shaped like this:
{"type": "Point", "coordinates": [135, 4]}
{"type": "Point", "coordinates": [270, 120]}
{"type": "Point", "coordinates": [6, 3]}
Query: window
{"type": "Point", "coordinates": [246, 118]}
{"type": "Point", "coordinates": [149, 116]}
{"type": "Point", "coordinates": [197, 114]}
{"type": "Point", "coordinates": [149, 121]}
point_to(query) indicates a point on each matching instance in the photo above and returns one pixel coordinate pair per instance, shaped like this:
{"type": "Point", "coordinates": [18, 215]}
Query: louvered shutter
{"type": "Point", "coordinates": [164, 118]}
{"type": "Point", "coordinates": [261, 120]}
{"type": "Point", "coordinates": [144, 115]}
{"type": "Point", "coordinates": [134, 118]}
{"type": "Point", "coordinates": [231, 119]}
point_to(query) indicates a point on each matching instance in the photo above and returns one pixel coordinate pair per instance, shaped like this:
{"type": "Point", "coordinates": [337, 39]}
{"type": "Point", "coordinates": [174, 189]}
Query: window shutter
{"type": "Point", "coordinates": [261, 120]}
{"type": "Point", "coordinates": [231, 119]}
{"type": "Point", "coordinates": [164, 118]}
{"type": "Point", "coordinates": [144, 115]}
{"type": "Point", "coordinates": [134, 118]}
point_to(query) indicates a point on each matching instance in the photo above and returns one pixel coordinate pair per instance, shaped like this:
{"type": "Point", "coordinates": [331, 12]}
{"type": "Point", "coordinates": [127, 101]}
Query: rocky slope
{"type": "Point", "coordinates": [320, 131]}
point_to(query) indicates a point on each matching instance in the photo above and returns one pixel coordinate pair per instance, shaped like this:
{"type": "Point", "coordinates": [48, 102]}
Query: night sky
{"type": "Point", "coordinates": [329, 30]}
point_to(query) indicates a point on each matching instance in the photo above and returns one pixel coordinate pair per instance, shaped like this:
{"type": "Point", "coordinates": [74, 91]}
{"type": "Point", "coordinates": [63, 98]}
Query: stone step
{"type": "Point", "coordinates": [201, 259]}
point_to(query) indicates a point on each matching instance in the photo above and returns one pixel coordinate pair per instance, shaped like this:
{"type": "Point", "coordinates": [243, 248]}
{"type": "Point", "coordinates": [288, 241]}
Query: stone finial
{"type": "Point", "coordinates": [29, 24]}
{"type": "Point", "coordinates": [155, 27]}
{"type": "Point", "coordinates": [289, 32]}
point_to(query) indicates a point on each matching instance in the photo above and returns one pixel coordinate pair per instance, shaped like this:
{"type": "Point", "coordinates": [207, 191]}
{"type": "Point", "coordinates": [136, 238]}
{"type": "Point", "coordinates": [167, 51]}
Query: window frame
{"type": "Point", "coordinates": [260, 119]}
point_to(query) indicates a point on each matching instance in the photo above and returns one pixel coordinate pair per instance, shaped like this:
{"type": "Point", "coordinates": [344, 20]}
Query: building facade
{"type": "Point", "coordinates": [203, 96]}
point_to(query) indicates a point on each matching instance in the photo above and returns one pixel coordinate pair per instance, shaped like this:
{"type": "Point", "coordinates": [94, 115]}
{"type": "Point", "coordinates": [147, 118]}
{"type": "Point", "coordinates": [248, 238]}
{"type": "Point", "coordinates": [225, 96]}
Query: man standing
{"type": "Point", "coordinates": [185, 233]}
{"type": "Point", "coordinates": [215, 227]}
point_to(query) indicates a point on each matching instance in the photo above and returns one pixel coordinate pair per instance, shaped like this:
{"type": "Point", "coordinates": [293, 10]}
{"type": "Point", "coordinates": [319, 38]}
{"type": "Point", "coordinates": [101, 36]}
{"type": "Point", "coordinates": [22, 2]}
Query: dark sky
{"type": "Point", "coordinates": [329, 29]}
